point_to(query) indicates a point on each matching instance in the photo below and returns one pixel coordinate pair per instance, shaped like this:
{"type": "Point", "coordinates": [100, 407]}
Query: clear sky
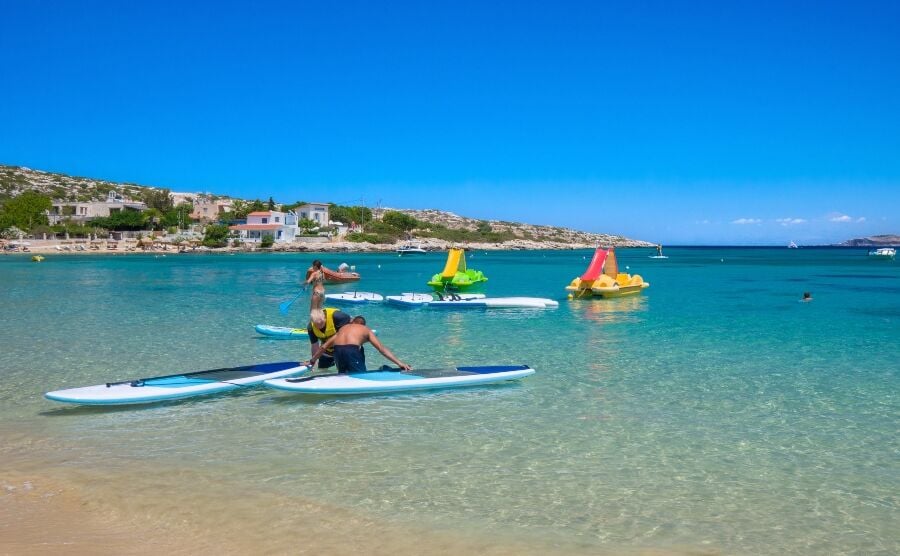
{"type": "Point", "coordinates": [675, 122]}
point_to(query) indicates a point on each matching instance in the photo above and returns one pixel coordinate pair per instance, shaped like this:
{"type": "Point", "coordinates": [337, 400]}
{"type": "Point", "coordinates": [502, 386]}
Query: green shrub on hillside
{"type": "Point", "coordinates": [382, 228]}
{"type": "Point", "coordinates": [357, 237]}
{"type": "Point", "coordinates": [466, 236]}
{"type": "Point", "coordinates": [348, 215]}
{"type": "Point", "coordinates": [399, 221]}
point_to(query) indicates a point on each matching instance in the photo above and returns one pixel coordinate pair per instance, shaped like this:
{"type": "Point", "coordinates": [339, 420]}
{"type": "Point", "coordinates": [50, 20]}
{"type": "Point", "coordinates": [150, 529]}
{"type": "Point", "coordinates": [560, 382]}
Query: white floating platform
{"type": "Point", "coordinates": [466, 301]}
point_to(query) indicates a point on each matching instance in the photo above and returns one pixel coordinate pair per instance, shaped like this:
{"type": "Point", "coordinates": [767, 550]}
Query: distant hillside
{"type": "Point", "coordinates": [873, 241]}
{"type": "Point", "coordinates": [15, 180]}
{"type": "Point", "coordinates": [524, 233]}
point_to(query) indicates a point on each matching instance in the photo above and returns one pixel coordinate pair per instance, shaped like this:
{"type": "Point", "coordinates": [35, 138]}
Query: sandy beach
{"type": "Point", "coordinates": [54, 510]}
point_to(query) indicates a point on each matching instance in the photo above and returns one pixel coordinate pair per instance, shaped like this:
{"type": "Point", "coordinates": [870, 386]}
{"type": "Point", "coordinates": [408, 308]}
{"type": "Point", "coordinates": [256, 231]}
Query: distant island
{"type": "Point", "coordinates": [61, 206]}
{"type": "Point", "coordinates": [873, 241]}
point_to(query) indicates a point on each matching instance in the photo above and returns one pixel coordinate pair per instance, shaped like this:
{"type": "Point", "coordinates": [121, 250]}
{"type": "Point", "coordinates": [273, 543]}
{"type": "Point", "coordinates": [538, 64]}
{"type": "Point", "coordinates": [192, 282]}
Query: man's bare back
{"type": "Point", "coordinates": [352, 334]}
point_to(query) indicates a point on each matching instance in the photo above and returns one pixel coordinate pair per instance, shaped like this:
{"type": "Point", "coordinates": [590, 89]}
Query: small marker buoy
{"type": "Point", "coordinates": [627, 267]}
{"type": "Point", "coordinates": [723, 260]}
{"type": "Point", "coordinates": [379, 266]}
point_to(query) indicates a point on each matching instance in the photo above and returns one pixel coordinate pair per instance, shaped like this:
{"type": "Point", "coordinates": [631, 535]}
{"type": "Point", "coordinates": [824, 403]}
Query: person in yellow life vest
{"type": "Point", "coordinates": [348, 348]}
{"type": "Point", "coordinates": [323, 324]}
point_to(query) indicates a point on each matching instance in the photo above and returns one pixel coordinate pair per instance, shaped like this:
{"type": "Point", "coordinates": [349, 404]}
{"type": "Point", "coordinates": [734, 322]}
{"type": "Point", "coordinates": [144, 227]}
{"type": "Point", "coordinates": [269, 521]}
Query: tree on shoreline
{"type": "Point", "coordinates": [25, 211]}
{"type": "Point", "coordinates": [215, 235]}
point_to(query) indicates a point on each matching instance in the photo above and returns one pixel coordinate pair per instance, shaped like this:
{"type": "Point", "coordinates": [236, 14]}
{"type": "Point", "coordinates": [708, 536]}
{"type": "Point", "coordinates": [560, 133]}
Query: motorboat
{"type": "Point", "coordinates": [883, 253]}
{"type": "Point", "coordinates": [410, 249]}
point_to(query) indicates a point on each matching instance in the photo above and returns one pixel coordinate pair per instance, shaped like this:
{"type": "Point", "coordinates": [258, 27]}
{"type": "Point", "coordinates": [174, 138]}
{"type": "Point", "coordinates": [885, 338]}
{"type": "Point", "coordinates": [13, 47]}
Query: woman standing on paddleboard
{"type": "Point", "coordinates": [315, 276]}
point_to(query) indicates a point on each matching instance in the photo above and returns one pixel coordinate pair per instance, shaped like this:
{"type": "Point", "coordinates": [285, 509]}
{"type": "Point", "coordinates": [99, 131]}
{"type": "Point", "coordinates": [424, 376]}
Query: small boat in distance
{"type": "Point", "coordinates": [792, 245]}
{"type": "Point", "coordinates": [410, 249]}
{"type": "Point", "coordinates": [883, 253]}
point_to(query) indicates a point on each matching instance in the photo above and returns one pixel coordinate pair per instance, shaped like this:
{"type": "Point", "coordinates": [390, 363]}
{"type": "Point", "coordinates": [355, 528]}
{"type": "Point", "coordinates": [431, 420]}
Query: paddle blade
{"type": "Point", "coordinates": [285, 305]}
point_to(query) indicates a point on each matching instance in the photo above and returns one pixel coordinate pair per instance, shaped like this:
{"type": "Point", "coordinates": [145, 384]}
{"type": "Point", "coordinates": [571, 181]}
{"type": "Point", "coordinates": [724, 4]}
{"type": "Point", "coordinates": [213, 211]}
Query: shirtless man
{"type": "Point", "coordinates": [348, 348]}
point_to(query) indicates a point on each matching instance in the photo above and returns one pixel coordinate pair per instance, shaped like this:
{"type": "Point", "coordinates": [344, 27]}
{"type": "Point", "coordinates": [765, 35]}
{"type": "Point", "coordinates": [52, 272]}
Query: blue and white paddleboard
{"type": "Point", "coordinates": [283, 332]}
{"type": "Point", "coordinates": [372, 382]}
{"type": "Point", "coordinates": [419, 299]}
{"type": "Point", "coordinates": [354, 297]}
{"type": "Point", "coordinates": [173, 387]}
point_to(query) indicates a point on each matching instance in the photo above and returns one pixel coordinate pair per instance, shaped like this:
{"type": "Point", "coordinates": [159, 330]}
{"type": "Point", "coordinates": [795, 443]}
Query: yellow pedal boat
{"type": "Point", "coordinates": [603, 279]}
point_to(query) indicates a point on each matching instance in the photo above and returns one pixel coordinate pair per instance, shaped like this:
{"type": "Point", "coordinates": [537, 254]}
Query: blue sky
{"type": "Point", "coordinates": [677, 122]}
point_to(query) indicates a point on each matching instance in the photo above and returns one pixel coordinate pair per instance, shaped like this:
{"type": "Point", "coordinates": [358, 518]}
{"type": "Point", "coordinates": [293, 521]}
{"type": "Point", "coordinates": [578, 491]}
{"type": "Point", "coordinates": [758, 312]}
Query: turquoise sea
{"type": "Point", "coordinates": [715, 413]}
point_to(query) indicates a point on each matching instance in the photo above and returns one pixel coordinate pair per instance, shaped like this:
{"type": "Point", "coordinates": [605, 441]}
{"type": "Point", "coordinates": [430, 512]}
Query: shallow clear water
{"type": "Point", "coordinates": [715, 410]}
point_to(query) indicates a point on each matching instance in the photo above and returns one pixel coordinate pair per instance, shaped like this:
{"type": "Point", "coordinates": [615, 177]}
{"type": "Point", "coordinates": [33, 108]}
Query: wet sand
{"type": "Point", "coordinates": [59, 510]}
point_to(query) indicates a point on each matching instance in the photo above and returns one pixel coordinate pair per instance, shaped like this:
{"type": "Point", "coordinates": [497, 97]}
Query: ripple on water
{"type": "Point", "coordinates": [724, 416]}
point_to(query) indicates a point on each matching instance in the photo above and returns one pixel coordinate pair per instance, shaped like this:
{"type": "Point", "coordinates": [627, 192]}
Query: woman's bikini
{"type": "Point", "coordinates": [318, 294]}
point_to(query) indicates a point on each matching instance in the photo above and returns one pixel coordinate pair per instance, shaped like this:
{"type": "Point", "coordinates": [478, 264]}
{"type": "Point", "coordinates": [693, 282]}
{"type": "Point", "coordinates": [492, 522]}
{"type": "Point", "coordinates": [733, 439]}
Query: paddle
{"type": "Point", "coordinates": [243, 369]}
{"type": "Point", "coordinates": [285, 305]}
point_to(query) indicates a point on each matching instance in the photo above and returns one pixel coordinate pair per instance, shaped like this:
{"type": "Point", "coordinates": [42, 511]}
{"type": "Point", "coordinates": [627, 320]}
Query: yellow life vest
{"type": "Point", "coordinates": [330, 330]}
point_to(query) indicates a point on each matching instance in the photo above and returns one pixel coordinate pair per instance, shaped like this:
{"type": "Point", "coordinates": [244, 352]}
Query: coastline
{"type": "Point", "coordinates": [123, 247]}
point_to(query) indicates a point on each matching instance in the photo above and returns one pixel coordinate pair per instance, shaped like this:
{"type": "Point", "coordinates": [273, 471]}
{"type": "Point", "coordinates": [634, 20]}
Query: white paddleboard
{"type": "Point", "coordinates": [354, 297]}
{"type": "Point", "coordinates": [419, 299]}
{"type": "Point", "coordinates": [371, 382]}
{"type": "Point", "coordinates": [174, 387]}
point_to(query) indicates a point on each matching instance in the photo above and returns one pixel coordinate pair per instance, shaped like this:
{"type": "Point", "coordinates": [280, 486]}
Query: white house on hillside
{"type": "Point", "coordinates": [317, 212]}
{"type": "Point", "coordinates": [282, 226]}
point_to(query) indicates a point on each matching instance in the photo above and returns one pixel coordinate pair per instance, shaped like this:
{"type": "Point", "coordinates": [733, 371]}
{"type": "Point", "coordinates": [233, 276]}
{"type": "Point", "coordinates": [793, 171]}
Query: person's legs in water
{"type": "Point", "coordinates": [350, 359]}
{"type": "Point", "coordinates": [317, 298]}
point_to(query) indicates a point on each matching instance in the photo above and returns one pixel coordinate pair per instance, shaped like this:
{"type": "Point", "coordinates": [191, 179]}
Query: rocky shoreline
{"type": "Point", "coordinates": [441, 245]}
{"type": "Point", "coordinates": [84, 247]}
